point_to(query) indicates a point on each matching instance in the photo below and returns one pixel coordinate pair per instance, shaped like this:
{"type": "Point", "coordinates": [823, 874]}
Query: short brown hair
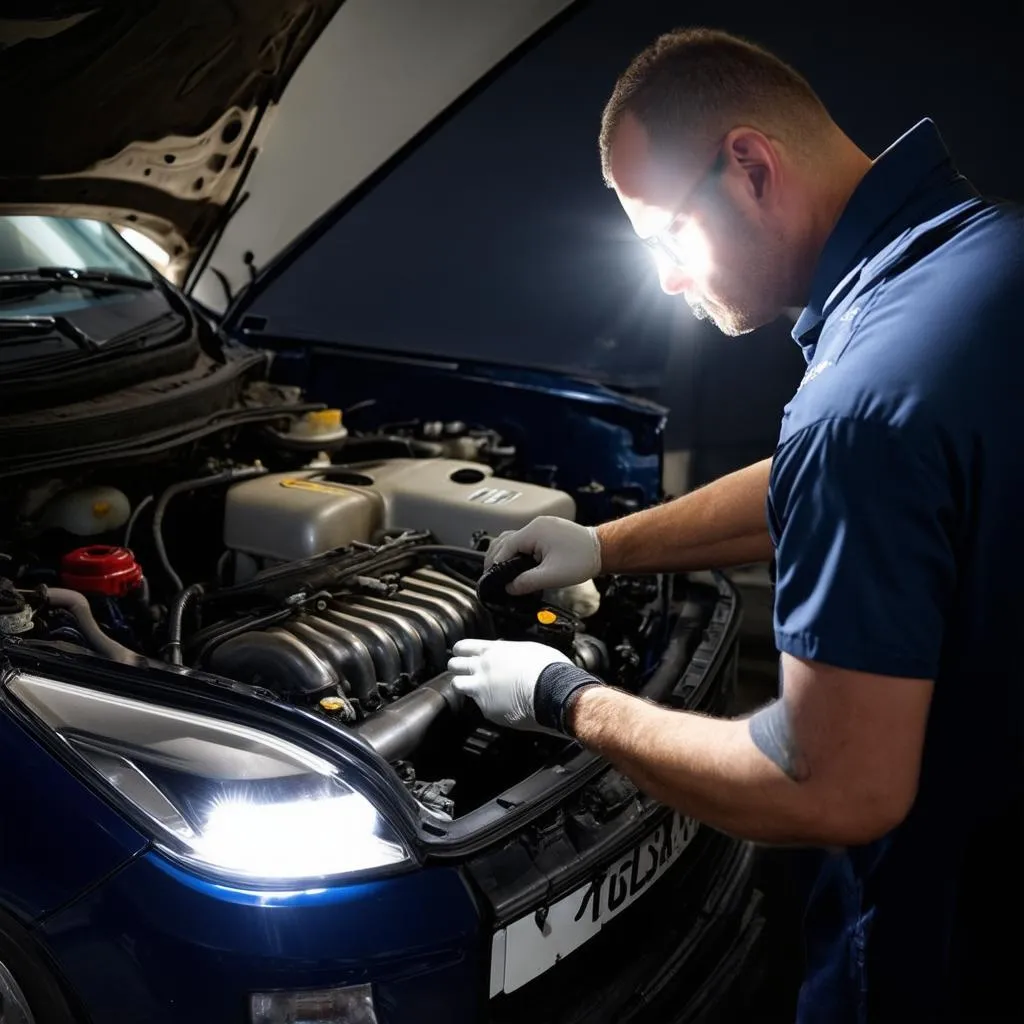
{"type": "Point", "coordinates": [693, 85]}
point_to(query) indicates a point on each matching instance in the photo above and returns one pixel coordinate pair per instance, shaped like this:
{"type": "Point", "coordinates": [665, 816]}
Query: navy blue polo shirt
{"type": "Point", "coordinates": [896, 506]}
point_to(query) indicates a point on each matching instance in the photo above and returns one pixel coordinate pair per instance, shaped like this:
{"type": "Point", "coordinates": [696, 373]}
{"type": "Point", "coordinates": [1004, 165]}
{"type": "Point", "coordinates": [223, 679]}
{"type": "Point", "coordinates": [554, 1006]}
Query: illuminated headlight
{"type": "Point", "coordinates": [353, 1005]}
{"type": "Point", "coordinates": [221, 796]}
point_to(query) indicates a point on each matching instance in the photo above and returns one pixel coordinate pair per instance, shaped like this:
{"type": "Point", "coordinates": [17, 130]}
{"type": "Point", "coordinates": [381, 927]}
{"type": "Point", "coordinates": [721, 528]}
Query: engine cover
{"type": "Point", "coordinates": [291, 516]}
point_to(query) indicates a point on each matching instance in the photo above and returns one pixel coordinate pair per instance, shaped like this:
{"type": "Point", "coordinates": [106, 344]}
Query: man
{"type": "Point", "coordinates": [894, 503]}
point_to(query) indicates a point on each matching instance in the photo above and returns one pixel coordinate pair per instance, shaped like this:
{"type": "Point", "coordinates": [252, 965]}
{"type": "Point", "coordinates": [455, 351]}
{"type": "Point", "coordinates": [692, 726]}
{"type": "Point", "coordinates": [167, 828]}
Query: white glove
{"type": "Point", "coordinates": [501, 676]}
{"type": "Point", "coordinates": [568, 554]}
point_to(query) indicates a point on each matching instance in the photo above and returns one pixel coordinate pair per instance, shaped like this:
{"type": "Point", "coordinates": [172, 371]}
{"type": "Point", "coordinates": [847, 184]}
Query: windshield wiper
{"type": "Point", "coordinates": [29, 326]}
{"type": "Point", "coordinates": [56, 277]}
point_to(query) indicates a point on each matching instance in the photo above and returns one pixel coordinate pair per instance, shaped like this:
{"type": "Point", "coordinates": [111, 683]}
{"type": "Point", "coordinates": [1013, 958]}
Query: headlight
{"type": "Point", "coordinates": [221, 796]}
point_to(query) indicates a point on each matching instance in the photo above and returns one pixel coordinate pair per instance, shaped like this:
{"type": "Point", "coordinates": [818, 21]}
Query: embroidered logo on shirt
{"type": "Point", "coordinates": [814, 371]}
{"type": "Point", "coordinates": [849, 315]}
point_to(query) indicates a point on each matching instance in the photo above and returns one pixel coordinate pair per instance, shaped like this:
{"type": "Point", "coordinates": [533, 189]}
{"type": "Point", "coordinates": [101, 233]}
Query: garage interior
{"type": "Point", "coordinates": [486, 249]}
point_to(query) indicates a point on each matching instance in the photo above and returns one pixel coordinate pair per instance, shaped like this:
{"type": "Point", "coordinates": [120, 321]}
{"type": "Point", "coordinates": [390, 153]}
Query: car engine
{"type": "Point", "coordinates": [339, 586]}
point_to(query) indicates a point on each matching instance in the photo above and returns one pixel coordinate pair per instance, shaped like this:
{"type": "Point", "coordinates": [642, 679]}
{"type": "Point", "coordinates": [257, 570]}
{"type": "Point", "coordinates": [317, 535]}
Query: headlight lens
{"type": "Point", "coordinates": [223, 796]}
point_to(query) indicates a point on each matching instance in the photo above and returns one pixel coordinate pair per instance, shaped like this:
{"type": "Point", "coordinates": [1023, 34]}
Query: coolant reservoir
{"type": "Point", "coordinates": [87, 512]}
{"type": "Point", "coordinates": [288, 516]}
{"type": "Point", "coordinates": [321, 424]}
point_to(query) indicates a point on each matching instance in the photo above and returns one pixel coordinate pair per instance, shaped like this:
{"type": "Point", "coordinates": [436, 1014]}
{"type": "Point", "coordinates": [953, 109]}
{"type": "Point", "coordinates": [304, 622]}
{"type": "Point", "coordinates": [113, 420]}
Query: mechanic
{"type": "Point", "coordinates": [893, 505]}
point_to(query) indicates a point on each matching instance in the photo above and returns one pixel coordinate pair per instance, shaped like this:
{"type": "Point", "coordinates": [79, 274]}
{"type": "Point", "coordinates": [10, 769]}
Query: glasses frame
{"type": "Point", "coordinates": [663, 241]}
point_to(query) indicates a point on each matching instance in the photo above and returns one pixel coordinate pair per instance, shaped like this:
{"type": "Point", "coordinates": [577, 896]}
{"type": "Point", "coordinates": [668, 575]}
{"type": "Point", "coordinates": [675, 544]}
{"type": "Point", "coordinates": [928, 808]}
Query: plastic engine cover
{"type": "Point", "coordinates": [290, 516]}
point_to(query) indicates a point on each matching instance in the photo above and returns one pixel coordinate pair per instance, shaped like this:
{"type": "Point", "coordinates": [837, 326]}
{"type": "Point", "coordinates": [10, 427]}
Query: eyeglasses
{"type": "Point", "coordinates": [667, 241]}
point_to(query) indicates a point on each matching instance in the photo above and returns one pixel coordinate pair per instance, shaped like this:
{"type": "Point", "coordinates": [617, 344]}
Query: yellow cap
{"type": "Point", "coordinates": [332, 703]}
{"type": "Point", "coordinates": [546, 617]}
{"type": "Point", "coordinates": [326, 419]}
{"type": "Point", "coordinates": [100, 509]}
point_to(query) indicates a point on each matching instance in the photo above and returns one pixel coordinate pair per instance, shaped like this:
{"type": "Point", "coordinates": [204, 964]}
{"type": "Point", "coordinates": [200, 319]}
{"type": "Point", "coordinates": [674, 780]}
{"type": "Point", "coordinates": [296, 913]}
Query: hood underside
{"type": "Point", "coordinates": [143, 113]}
{"type": "Point", "coordinates": [152, 113]}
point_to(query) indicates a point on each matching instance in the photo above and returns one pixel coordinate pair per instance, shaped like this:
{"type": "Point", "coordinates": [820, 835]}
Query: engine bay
{"type": "Point", "coordinates": [330, 573]}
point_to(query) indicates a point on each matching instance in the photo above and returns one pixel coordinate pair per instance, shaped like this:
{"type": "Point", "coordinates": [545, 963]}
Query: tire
{"type": "Point", "coordinates": [23, 961]}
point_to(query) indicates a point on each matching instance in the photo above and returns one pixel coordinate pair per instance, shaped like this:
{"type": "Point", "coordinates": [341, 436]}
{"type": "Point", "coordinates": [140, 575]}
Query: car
{"type": "Point", "coordinates": [235, 555]}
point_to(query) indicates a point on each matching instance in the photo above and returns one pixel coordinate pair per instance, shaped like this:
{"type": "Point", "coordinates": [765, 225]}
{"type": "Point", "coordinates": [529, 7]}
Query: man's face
{"type": "Point", "coordinates": [720, 242]}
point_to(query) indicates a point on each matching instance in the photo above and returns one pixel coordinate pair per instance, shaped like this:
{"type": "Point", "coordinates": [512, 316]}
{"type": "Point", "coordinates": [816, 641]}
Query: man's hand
{"type": "Point", "coordinates": [568, 554]}
{"type": "Point", "coordinates": [501, 677]}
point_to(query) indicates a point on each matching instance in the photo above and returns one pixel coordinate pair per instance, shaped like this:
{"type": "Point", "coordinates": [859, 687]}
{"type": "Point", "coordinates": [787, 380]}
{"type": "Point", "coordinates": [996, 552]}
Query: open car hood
{"type": "Point", "coordinates": [143, 113]}
{"type": "Point", "coordinates": [173, 116]}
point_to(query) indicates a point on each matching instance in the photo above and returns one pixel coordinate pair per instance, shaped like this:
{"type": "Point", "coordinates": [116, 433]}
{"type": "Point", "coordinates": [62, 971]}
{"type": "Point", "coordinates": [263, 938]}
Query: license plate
{"type": "Point", "coordinates": [527, 948]}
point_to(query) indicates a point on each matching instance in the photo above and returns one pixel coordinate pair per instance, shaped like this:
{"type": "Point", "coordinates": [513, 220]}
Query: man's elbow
{"type": "Point", "coordinates": [853, 819]}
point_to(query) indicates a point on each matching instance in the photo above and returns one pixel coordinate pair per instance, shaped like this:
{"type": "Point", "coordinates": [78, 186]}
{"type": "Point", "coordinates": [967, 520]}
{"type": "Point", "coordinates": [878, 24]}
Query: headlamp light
{"type": "Point", "coordinates": [684, 248]}
{"type": "Point", "coordinates": [223, 797]}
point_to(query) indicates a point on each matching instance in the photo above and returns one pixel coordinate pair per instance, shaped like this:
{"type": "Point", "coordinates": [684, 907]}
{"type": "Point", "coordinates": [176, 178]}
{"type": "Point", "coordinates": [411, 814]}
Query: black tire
{"type": "Point", "coordinates": [20, 954]}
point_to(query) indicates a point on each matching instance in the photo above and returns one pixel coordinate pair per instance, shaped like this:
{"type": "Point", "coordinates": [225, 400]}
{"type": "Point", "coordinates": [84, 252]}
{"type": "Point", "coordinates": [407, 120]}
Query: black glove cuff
{"type": "Point", "coordinates": [552, 698]}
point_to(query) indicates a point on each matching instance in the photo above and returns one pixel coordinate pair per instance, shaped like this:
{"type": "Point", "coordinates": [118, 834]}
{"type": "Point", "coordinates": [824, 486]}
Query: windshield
{"type": "Point", "coordinates": [74, 294]}
{"type": "Point", "coordinates": [29, 243]}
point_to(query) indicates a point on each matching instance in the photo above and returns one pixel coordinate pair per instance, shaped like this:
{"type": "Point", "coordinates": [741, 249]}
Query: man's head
{"type": "Point", "coordinates": [729, 166]}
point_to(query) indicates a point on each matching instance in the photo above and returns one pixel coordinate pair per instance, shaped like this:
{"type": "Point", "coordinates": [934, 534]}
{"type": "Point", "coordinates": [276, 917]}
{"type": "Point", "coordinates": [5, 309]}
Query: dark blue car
{"type": "Point", "coordinates": [239, 537]}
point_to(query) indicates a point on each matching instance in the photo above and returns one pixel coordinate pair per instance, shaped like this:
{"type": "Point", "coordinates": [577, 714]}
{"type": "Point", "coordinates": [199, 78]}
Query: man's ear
{"type": "Point", "coordinates": [753, 154]}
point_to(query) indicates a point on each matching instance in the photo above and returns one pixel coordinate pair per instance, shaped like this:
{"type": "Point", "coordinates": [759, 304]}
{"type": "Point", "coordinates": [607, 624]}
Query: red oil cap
{"type": "Point", "coordinates": [100, 569]}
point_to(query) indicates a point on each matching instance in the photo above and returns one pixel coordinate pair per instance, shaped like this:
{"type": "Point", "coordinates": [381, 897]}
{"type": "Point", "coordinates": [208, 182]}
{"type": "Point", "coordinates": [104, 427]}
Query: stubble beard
{"type": "Point", "coordinates": [699, 310]}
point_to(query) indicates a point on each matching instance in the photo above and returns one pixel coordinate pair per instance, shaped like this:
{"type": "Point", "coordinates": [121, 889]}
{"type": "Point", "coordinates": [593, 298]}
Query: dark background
{"type": "Point", "coordinates": [498, 239]}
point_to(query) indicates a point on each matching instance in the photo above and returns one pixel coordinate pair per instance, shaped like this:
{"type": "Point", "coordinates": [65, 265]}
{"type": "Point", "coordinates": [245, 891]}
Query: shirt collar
{"type": "Point", "coordinates": [870, 219]}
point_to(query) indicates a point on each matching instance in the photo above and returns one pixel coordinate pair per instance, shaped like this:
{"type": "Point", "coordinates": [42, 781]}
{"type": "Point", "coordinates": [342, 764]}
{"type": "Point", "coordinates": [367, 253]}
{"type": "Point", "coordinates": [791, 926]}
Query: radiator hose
{"type": "Point", "coordinates": [78, 605]}
{"type": "Point", "coordinates": [399, 728]}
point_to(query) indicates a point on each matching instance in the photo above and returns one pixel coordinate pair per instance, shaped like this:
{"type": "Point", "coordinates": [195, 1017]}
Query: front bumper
{"type": "Point", "coordinates": [157, 945]}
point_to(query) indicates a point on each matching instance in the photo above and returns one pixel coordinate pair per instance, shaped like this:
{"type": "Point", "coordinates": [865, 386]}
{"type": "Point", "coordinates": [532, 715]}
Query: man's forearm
{"type": "Point", "coordinates": [706, 767]}
{"type": "Point", "coordinates": [716, 526]}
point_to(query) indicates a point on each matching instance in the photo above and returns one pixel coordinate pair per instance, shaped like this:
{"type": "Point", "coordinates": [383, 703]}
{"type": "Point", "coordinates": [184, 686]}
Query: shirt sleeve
{"type": "Point", "coordinates": [866, 569]}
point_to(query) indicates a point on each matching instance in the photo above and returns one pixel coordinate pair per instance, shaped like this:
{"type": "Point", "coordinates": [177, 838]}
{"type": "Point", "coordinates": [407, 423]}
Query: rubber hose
{"type": "Point", "coordinates": [78, 604]}
{"type": "Point", "coordinates": [175, 618]}
{"type": "Point", "coordinates": [398, 729]}
{"type": "Point", "coordinates": [227, 476]}
{"type": "Point", "coordinates": [134, 519]}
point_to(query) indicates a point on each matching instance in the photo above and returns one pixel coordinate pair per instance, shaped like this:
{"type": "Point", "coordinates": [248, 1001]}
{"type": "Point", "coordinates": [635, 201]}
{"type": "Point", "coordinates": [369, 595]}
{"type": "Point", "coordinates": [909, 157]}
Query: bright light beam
{"type": "Point", "coordinates": [292, 839]}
